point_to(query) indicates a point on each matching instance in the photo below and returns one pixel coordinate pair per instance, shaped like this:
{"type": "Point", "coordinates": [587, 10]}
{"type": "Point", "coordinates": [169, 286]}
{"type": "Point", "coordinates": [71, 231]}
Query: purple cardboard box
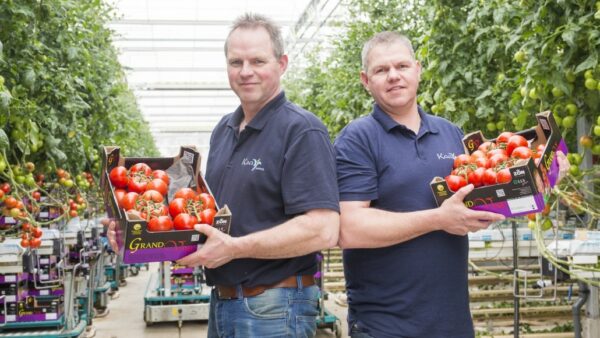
{"type": "Point", "coordinates": [136, 243]}
{"type": "Point", "coordinates": [530, 180]}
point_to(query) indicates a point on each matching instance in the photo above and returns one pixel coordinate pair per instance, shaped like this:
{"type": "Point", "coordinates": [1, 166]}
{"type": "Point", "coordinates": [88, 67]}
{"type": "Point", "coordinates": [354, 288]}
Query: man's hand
{"type": "Point", "coordinates": [563, 165]}
{"type": "Point", "coordinates": [457, 219]}
{"type": "Point", "coordinates": [217, 250]}
{"type": "Point", "coordinates": [111, 233]}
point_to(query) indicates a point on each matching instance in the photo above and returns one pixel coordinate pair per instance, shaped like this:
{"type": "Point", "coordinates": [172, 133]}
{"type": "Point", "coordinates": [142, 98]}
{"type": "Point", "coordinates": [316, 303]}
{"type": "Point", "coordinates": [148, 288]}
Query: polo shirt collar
{"type": "Point", "coordinates": [388, 123]}
{"type": "Point", "coordinates": [261, 118]}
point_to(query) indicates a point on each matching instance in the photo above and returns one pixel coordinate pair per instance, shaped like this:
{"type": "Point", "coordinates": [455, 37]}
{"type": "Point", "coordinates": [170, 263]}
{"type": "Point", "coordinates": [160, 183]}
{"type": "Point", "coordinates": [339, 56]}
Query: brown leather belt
{"type": "Point", "coordinates": [230, 292]}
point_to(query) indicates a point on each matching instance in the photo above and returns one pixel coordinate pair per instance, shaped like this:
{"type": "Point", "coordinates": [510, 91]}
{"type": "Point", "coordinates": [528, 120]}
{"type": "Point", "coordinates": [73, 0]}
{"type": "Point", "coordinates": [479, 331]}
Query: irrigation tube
{"type": "Point", "coordinates": [584, 292]}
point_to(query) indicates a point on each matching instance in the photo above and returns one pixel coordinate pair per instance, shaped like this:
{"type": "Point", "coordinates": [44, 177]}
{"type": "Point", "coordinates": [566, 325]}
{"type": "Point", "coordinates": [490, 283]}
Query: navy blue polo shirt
{"type": "Point", "coordinates": [282, 164]}
{"type": "Point", "coordinates": [418, 288]}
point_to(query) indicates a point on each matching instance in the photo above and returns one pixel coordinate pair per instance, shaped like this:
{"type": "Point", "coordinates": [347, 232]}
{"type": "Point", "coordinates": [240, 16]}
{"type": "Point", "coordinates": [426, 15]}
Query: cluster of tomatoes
{"type": "Point", "coordinates": [142, 191]}
{"type": "Point", "coordinates": [31, 236]}
{"type": "Point", "coordinates": [490, 163]}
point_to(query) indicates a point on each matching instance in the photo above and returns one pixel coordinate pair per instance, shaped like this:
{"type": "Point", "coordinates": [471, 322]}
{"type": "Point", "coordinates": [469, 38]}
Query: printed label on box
{"type": "Point", "coordinates": [522, 204]}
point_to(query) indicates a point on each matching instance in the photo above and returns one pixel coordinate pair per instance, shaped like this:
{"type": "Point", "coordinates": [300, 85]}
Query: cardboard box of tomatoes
{"type": "Point", "coordinates": [135, 196]}
{"type": "Point", "coordinates": [523, 180]}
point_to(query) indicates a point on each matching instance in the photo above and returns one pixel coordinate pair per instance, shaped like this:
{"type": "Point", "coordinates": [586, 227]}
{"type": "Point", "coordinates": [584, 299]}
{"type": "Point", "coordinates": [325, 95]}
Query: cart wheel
{"type": "Point", "coordinates": [134, 270]}
{"type": "Point", "coordinates": [337, 329]}
{"type": "Point", "coordinates": [122, 283]}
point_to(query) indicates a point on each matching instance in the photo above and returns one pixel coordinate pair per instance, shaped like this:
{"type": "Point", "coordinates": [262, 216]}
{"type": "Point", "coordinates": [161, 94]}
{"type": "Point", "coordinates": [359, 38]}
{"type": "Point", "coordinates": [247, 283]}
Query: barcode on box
{"type": "Point", "coordinates": [195, 237]}
{"type": "Point", "coordinates": [500, 193]}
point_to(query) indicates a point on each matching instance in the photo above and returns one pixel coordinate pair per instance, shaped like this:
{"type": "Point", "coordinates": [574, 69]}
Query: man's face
{"type": "Point", "coordinates": [392, 77]}
{"type": "Point", "coordinates": [254, 72]}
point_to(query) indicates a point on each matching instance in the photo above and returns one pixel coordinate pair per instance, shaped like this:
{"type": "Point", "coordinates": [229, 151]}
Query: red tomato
{"type": "Point", "coordinates": [153, 195]}
{"type": "Point", "coordinates": [140, 168]}
{"type": "Point", "coordinates": [455, 182]}
{"type": "Point", "coordinates": [129, 200]}
{"type": "Point", "coordinates": [489, 177]}
{"type": "Point", "coordinates": [5, 187]}
{"type": "Point", "coordinates": [208, 202]}
{"type": "Point", "coordinates": [158, 185]}
{"type": "Point", "coordinates": [503, 137]}
{"type": "Point", "coordinates": [496, 151]}
{"type": "Point", "coordinates": [497, 159]}
{"type": "Point", "coordinates": [504, 176]}
{"type": "Point", "coordinates": [477, 154]}
{"type": "Point", "coordinates": [482, 162]}
{"type": "Point", "coordinates": [36, 195]}
{"type": "Point", "coordinates": [10, 202]}
{"type": "Point", "coordinates": [185, 222]}
{"type": "Point", "coordinates": [461, 160]}
{"type": "Point", "coordinates": [25, 243]}
{"type": "Point", "coordinates": [514, 142]}
{"type": "Point", "coordinates": [185, 193]}
{"type": "Point", "coordinates": [36, 232]}
{"type": "Point", "coordinates": [119, 193]}
{"type": "Point", "coordinates": [521, 153]}
{"type": "Point", "coordinates": [177, 206]}
{"type": "Point", "coordinates": [486, 146]}
{"type": "Point", "coordinates": [137, 184]}
{"type": "Point", "coordinates": [35, 242]}
{"type": "Point", "coordinates": [539, 150]}
{"type": "Point", "coordinates": [118, 177]}
{"type": "Point", "coordinates": [160, 223]}
{"type": "Point", "coordinates": [207, 216]}
{"type": "Point", "coordinates": [476, 177]}
{"type": "Point", "coordinates": [161, 174]}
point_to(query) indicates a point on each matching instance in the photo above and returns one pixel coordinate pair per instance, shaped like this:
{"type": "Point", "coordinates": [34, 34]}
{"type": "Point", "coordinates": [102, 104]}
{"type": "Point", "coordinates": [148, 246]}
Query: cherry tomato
{"type": "Point", "coordinates": [185, 222]}
{"type": "Point", "coordinates": [161, 223]}
{"type": "Point", "coordinates": [35, 242]}
{"type": "Point", "coordinates": [36, 232]}
{"type": "Point", "coordinates": [10, 202]}
{"type": "Point", "coordinates": [486, 146]}
{"type": "Point", "coordinates": [118, 177]}
{"type": "Point", "coordinates": [25, 243]}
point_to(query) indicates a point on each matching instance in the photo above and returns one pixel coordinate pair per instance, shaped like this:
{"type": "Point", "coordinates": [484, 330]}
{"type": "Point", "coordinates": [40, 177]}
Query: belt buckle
{"type": "Point", "coordinates": [221, 297]}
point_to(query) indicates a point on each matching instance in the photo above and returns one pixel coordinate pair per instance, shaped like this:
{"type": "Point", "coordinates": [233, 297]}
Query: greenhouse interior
{"type": "Point", "coordinates": [253, 168]}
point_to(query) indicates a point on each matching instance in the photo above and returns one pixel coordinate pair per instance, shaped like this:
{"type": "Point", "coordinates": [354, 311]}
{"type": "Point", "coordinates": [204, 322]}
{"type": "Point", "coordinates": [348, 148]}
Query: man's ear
{"type": "Point", "coordinates": [364, 79]}
{"type": "Point", "coordinates": [283, 63]}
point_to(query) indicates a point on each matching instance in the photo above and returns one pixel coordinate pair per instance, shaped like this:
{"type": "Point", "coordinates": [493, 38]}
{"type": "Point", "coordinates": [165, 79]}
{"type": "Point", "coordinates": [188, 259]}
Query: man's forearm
{"type": "Point", "coordinates": [303, 234]}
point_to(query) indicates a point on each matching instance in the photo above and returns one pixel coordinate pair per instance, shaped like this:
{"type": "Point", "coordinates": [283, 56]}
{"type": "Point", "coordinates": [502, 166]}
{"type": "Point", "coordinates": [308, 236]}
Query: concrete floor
{"type": "Point", "coordinates": [125, 319]}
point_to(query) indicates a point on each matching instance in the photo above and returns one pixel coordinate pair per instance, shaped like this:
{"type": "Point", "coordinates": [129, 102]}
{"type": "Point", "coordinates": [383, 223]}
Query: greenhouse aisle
{"type": "Point", "coordinates": [125, 319]}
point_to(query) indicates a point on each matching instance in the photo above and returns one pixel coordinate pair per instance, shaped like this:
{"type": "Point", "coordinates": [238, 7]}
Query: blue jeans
{"type": "Point", "coordinates": [279, 312]}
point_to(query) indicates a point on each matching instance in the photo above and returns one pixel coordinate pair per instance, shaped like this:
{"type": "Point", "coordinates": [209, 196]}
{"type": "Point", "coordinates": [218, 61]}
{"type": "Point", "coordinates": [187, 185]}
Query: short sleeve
{"type": "Point", "coordinates": [309, 177]}
{"type": "Point", "coordinates": [356, 168]}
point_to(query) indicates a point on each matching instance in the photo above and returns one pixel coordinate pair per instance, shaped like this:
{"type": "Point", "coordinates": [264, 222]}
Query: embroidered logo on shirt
{"type": "Point", "coordinates": [255, 163]}
{"type": "Point", "coordinates": [447, 156]}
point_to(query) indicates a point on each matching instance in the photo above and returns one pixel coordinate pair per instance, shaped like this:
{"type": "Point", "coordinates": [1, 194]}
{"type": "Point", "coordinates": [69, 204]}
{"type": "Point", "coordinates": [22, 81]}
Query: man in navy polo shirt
{"type": "Point", "coordinates": [405, 260]}
{"type": "Point", "coordinates": [272, 163]}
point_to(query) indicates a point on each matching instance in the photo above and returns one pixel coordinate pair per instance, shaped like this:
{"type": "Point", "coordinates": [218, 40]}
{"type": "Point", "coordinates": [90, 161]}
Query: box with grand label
{"type": "Point", "coordinates": [530, 180]}
{"type": "Point", "coordinates": [136, 243]}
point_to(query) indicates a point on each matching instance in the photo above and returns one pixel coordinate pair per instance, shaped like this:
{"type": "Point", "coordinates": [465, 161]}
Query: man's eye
{"type": "Point", "coordinates": [235, 63]}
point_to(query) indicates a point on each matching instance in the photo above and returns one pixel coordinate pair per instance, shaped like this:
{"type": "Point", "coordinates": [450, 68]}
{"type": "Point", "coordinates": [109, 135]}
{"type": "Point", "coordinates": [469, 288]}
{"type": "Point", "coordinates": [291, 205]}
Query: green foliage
{"type": "Point", "coordinates": [489, 65]}
{"type": "Point", "coordinates": [62, 90]}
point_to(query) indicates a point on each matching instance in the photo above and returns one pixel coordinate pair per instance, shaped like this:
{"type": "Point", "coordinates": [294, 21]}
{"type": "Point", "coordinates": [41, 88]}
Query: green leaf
{"type": "Point", "coordinates": [589, 63]}
{"type": "Point", "coordinates": [4, 143]}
